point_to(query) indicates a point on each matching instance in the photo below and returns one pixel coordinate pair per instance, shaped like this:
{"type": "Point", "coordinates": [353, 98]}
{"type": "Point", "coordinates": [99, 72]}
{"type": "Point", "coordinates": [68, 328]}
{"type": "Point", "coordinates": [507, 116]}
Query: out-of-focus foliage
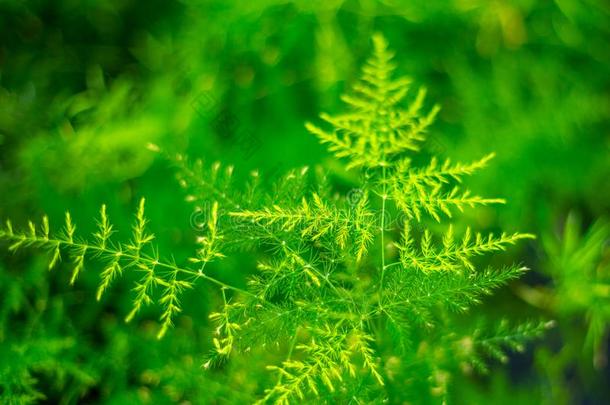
{"type": "Point", "coordinates": [579, 298]}
{"type": "Point", "coordinates": [580, 270]}
{"type": "Point", "coordinates": [84, 87]}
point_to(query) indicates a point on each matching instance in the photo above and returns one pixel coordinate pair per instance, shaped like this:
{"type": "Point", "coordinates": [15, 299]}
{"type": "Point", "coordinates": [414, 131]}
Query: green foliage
{"type": "Point", "coordinates": [82, 89]}
{"type": "Point", "coordinates": [358, 304]}
{"type": "Point", "coordinates": [578, 265]}
{"type": "Point", "coordinates": [451, 255]}
{"type": "Point", "coordinates": [580, 268]}
{"type": "Point", "coordinates": [377, 130]}
{"type": "Point", "coordinates": [478, 346]}
{"type": "Point", "coordinates": [137, 255]}
{"type": "Point", "coordinates": [38, 357]}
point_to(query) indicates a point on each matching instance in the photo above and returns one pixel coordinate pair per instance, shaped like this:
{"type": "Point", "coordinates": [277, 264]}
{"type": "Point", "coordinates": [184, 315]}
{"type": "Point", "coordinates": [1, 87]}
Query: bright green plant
{"type": "Point", "coordinates": [353, 308]}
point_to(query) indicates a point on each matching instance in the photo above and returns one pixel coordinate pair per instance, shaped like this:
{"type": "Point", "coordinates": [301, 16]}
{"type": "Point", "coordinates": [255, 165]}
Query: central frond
{"type": "Point", "coordinates": [377, 129]}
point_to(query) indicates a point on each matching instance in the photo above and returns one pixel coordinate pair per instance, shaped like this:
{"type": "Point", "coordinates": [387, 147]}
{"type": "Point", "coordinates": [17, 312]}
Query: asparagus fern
{"type": "Point", "coordinates": [357, 301]}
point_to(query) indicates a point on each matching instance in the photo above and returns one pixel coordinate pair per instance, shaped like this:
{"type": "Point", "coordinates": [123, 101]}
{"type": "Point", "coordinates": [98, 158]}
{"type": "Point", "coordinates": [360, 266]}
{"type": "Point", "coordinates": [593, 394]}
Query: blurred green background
{"type": "Point", "coordinates": [86, 85]}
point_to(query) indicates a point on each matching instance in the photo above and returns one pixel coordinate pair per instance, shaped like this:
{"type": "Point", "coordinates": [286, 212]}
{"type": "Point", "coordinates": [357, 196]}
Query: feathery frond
{"type": "Point", "coordinates": [137, 255]}
{"type": "Point", "coordinates": [496, 342]}
{"type": "Point", "coordinates": [452, 255]}
{"type": "Point", "coordinates": [315, 219]}
{"type": "Point", "coordinates": [376, 129]}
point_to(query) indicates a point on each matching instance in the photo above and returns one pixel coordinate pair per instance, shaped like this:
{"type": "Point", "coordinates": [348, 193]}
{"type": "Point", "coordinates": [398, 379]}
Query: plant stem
{"type": "Point", "coordinates": [384, 197]}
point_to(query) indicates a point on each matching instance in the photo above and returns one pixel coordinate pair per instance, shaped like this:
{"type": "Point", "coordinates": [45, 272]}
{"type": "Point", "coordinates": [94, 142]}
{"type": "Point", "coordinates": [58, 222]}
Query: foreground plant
{"type": "Point", "coordinates": [366, 312]}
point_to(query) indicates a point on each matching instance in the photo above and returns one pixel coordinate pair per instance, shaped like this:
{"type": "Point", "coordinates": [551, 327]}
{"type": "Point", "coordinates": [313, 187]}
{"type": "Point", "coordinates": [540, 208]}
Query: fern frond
{"type": "Point", "coordinates": [452, 255]}
{"type": "Point", "coordinates": [436, 202]}
{"type": "Point", "coordinates": [140, 237]}
{"type": "Point", "coordinates": [78, 258]}
{"type": "Point", "coordinates": [286, 276]}
{"type": "Point", "coordinates": [114, 269]}
{"type": "Point", "coordinates": [414, 292]}
{"type": "Point", "coordinates": [376, 130]}
{"type": "Point", "coordinates": [210, 242]}
{"type": "Point", "coordinates": [360, 343]}
{"type": "Point", "coordinates": [494, 344]}
{"type": "Point", "coordinates": [418, 191]}
{"type": "Point", "coordinates": [363, 230]}
{"type": "Point", "coordinates": [105, 230]}
{"type": "Point", "coordinates": [137, 254]}
{"type": "Point", "coordinates": [143, 288]}
{"type": "Point", "coordinates": [314, 219]}
{"type": "Point", "coordinates": [225, 331]}
{"type": "Point", "coordinates": [328, 358]}
{"type": "Point", "coordinates": [170, 300]}
{"type": "Point", "coordinates": [412, 299]}
{"type": "Point", "coordinates": [69, 228]}
{"type": "Point", "coordinates": [200, 181]}
{"type": "Point", "coordinates": [436, 173]}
